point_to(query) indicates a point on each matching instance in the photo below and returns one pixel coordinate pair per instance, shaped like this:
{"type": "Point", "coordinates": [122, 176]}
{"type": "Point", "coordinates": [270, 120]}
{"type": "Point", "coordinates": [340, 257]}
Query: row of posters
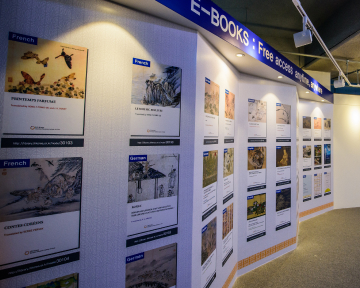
{"type": "Point", "coordinates": [316, 185]}
{"type": "Point", "coordinates": [317, 132]}
{"type": "Point", "coordinates": [320, 158]}
{"type": "Point", "coordinates": [211, 110]}
{"type": "Point", "coordinates": [257, 120]}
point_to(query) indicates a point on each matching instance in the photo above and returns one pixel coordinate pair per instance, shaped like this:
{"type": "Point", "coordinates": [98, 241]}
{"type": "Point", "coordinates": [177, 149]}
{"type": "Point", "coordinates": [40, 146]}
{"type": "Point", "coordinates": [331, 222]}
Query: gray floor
{"type": "Point", "coordinates": [328, 255]}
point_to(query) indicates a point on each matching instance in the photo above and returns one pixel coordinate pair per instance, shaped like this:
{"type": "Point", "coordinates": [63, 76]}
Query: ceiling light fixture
{"type": "Point", "coordinates": [339, 83]}
{"type": "Point", "coordinates": [280, 77]}
{"type": "Point", "coordinates": [304, 37]}
{"type": "Point", "coordinates": [322, 100]}
{"type": "Point", "coordinates": [240, 55]}
{"type": "Point", "coordinates": [307, 92]}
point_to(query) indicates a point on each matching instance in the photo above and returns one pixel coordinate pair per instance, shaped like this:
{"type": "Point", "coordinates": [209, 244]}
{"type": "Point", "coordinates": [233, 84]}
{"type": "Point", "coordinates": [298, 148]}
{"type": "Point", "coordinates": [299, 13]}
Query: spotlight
{"type": "Point", "coordinates": [304, 37]}
{"type": "Point", "coordinates": [280, 77]}
{"type": "Point", "coordinates": [339, 83]}
{"type": "Point", "coordinates": [307, 92]}
{"type": "Point", "coordinates": [322, 100]}
{"type": "Point", "coordinates": [240, 55]}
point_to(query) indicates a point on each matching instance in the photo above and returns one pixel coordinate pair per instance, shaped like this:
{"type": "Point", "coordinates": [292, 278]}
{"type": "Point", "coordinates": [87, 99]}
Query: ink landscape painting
{"type": "Point", "coordinates": [49, 186]}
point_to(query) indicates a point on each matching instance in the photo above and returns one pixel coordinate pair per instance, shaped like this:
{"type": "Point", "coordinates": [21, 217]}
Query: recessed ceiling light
{"type": "Point", "coordinates": [280, 77]}
{"type": "Point", "coordinates": [307, 92]}
{"type": "Point", "coordinates": [240, 55]}
{"type": "Point", "coordinates": [322, 100]}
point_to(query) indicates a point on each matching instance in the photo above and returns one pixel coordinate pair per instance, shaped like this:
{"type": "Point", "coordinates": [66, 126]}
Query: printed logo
{"type": "Point", "coordinates": [27, 253]}
{"type": "Point", "coordinates": [32, 127]}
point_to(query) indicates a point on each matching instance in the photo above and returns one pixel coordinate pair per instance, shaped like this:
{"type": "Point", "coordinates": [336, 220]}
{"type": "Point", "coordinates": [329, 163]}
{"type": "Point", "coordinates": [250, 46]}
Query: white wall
{"type": "Point", "coordinates": [346, 150]}
{"type": "Point", "coordinates": [113, 35]}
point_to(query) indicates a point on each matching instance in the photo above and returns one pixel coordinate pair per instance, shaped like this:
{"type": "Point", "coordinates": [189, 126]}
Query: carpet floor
{"type": "Point", "coordinates": [328, 255]}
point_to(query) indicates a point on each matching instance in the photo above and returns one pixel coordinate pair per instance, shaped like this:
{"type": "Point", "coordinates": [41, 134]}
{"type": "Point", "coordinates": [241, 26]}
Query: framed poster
{"type": "Point", "coordinates": [307, 157]}
{"type": "Point", "coordinates": [68, 281]}
{"type": "Point", "coordinates": [153, 268]}
{"type": "Point", "coordinates": [228, 174]}
{"type": "Point", "coordinates": [227, 233]}
{"type": "Point", "coordinates": [283, 165]}
{"type": "Point", "coordinates": [317, 128]}
{"type": "Point", "coordinates": [45, 87]}
{"type": "Point", "coordinates": [327, 128]}
{"type": "Point", "coordinates": [229, 114]}
{"type": "Point", "coordinates": [327, 183]}
{"type": "Point", "coordinates": [327, 154]}
{"type": "Point", "coordinates": [306, 131]}
{"type": "Point", "coordinates": [211, 108]}
{"type": "Point", "coordinates": [283, 208]}
{"type": "Point", "coordinates": [209, 187]}
{"type": "Point", "coordinates": [283, 120]}
{"type": "Point", "coordinates": [317, 185]}
{"type": "Point", "coordinates": [257, 117]}
{"type": "Point", "coordinates": [307, 187]}
{"type": "Point", "coordinates": [256, 168]}
{"type": "Point", "coordinates": [153, 187]}
{"type": "Point", "coordinates": [317, 155]}
{"type": "Point", "coordinates": [155, 99]}
{"type": "Point", "coordinates": [256, 216]}
{"type": "Point", "coordinates": [208, 254]}
{"type": "Point", "coordinates": [40, 201]}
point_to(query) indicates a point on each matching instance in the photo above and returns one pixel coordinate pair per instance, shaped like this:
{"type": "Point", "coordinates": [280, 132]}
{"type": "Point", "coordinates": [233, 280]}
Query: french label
{"type": "Point", "coordinates": [23, 38]}
{"type": "Point", "coordinates": [16, 163]}
{"type": "Point", "coordinates": [151, 237]}
{"type": "Point", "coordinates": [141, 62]}
{"type": "Point", "coordinates": [154, 142]}
{"type": "Point", "coordinates": [40, 142]}
{"type": "Point", "coordinates": [39, 265]}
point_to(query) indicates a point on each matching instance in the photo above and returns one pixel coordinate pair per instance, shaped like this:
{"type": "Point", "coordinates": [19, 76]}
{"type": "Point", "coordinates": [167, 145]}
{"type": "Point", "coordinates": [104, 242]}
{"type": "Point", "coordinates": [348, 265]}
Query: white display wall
{"type": "Point", "coordinates": [315, 203]}
{"type": "Point", "coordinates": [114, 36]}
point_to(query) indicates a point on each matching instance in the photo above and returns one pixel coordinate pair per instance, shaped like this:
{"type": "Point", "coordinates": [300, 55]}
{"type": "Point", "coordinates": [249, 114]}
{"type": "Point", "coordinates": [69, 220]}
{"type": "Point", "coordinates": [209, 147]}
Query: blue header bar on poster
{"type": "Point", "coordinates": [215, 20]}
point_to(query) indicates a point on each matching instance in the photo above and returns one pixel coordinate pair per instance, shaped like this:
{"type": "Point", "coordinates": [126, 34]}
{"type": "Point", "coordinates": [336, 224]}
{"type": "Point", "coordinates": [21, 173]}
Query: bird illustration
{"type": "Point", "coordinates": [29, 80]}
{"type": "Point", "coordinates": [29, 55]}
{"type": "Point", "coordinates": [44, 62]}
{"type": "Point", "coordinates": [35, 165]}
{"type": "Point", "coordinates": [66, 57]}
{"type": "Point", "coordinates": [69, 77]}
{"type": "Point", "coordinates": [50, 163]}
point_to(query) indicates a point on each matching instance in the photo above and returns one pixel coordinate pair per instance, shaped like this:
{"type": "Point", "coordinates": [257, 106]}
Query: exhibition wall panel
{"type": "Point", "coordinates": [316, 173]}
{"type": "Point", "coordinates": [114, 36]}
{"type": "Point", "coordinates": [346, 150]}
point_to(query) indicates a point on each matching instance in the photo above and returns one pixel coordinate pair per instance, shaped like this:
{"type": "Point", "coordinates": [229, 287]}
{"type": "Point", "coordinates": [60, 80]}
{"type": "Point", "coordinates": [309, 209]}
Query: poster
{"type": "Point", "coordinates": [256, 214]}
{"type": "Point", "coordinates": [283, 165]}
{"type": "Point", "coordinates": [307, 157]}
{"type": "Point", "coordinates": [327, 183]}
{"type": "Point", "coordinates": [327, 128]}
{"type": "Point", "coordinates": [307, 187]}
{"type": "Point", "coordinates": [40, 203]}
{"type": "Point", "coordinates": [317, 128]}
{"type": "Point", "coordinates": [257, 111]}
{"type": "Point", "coordinates": [228, 174]}
{"type": "Point", "coordinates": [68, 281]}
{"type": "Point", "coordinates": [317, 185]}
{"type": "Point", "coordinates": [327, 154]}
{"type": "Point", "coordinates": [306, 128]}
{"type": "Point", "coordinates": [208, 253]}
{"type": "Point", "coordinates": [283, 208]}
{"type": "Point", "coordinates": [210, 169]}
{"type": "Point", "coordinates": [153, 186]}
{"type": "Point", "coordinates": [317, 155]}
{"type": "Point", "coordinates": [155, 99]}
{"type": "Point", "coordinates": [153, 268]}
{"type": "Point", "coordinates": [211, 108]}
{"type": "Point", "coordinates": [229, 114]}
{"type": "Point", "coordinates": [45, 87]}
{"type": "Point", "coordinates": [227, 233]}
{"type": "Point", "coordinates": [283, 120]}
{"type": "Point", "coordinates": [256, 168]}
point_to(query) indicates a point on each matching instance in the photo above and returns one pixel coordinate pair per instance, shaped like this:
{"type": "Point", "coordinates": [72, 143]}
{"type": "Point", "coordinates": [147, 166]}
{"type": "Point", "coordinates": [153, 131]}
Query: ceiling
{"type": "Point", "coordinates": [275, 22]}
{"type": "Point", "coordinates": [337, 22]}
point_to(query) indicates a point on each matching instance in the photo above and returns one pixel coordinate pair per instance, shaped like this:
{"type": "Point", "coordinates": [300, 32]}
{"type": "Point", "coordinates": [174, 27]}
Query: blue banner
{"type": "Point", "coordinates": [250, 197]}
{"type": "Point", "coordinates": [141, 62]}
{"type": "Point", "coordinates": [215, 20]}
{"type": "Point", "coordinates": [137, 158]}
{"type": "Point", "coordinates": [23, 38]}
{"type": "Point", "coordinates": [134, 258]}
{"type": "Point", "coordinates": [15, 163]}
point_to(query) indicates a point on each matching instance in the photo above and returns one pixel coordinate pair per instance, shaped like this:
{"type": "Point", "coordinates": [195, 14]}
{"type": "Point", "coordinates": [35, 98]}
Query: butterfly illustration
{"type": "Point", "coordinates": [44, 62]}
{"type": "Point", "coordinates": [69, 77]}
{"type": "Point", "coordinates": [66, 57]}
{"type": "Point", "coordinates": [29, 55]}
{"type": "Point", "coordinates": [29, 80]}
